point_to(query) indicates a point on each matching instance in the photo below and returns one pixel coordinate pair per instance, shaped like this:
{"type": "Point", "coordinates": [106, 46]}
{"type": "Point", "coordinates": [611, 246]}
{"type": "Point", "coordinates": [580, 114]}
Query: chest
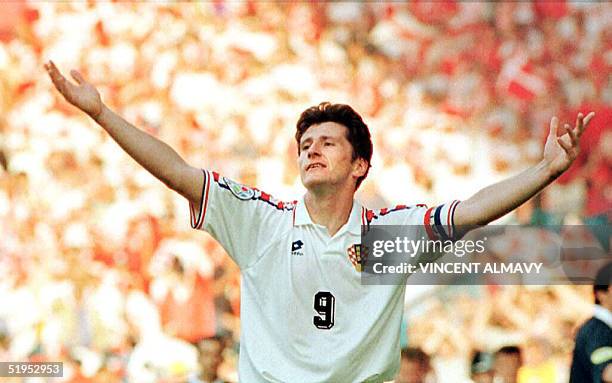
{"type": "Point", "coordinates": [312, 249]}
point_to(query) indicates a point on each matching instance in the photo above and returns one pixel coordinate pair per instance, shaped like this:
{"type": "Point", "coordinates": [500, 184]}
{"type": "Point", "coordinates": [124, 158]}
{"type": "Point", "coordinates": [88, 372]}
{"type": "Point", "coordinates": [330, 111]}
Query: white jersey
{"type": "Point", "coordinates": [305, 316]}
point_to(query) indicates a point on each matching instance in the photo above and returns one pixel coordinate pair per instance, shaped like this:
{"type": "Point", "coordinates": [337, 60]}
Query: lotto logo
{"type": "Point", "coordinates": [296, 246]}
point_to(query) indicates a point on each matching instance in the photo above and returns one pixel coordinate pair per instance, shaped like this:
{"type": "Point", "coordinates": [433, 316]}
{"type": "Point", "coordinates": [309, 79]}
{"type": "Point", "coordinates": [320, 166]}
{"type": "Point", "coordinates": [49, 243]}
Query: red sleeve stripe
{"type": "Point", "coordinates": [426, 223]}
{"type": "Point", "coordinates": [363, 220]}
{"type": "Point", "coordinates": [203, 210]}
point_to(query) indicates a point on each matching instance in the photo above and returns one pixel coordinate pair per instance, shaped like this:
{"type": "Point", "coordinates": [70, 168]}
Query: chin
{"type": "Point", "coordinates": [313, 182]}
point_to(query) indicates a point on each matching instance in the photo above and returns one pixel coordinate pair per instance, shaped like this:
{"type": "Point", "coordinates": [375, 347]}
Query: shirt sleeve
{"type": "Point", "coordinates": [439, 221]}
{"type": "Point", "coordinates": [420, 226]}
{"type": "Point", "coordinates": [234, 215]}
{"type": "Point", "coordinates": [435, 223]}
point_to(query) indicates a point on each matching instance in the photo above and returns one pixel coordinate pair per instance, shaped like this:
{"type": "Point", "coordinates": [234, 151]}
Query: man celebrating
{"type": "Point", "coordinates": [305, 316]}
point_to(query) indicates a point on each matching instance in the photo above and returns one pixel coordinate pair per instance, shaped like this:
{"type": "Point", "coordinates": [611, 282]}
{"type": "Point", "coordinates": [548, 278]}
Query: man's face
{"type": "Point", "coordinates": [605, 299]}
{"type": "Point", "coordinates": [326, 157]}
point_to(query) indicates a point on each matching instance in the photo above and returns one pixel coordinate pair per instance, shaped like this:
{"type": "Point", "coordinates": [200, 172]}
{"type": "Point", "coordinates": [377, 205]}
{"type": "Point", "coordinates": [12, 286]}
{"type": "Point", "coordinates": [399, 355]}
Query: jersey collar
{"type": "Point", "coordinates": [353, 225]}
{"type": "Point", "coordinates": [603, 315]}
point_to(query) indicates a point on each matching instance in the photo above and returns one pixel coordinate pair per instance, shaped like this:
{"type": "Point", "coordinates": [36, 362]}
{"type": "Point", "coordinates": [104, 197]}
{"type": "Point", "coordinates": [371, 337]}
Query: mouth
{"type": "Point", "coordinates": [315, 166]}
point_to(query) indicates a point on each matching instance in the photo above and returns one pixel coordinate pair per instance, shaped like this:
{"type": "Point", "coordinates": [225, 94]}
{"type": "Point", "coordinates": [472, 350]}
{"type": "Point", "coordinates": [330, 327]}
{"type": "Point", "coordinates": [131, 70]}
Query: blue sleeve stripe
{"type": "Point", "coordinates": [438, 223]}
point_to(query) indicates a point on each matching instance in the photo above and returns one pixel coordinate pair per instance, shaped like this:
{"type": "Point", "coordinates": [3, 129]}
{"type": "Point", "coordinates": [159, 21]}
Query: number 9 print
{"type": "Point", "coordinates": [325, 305]}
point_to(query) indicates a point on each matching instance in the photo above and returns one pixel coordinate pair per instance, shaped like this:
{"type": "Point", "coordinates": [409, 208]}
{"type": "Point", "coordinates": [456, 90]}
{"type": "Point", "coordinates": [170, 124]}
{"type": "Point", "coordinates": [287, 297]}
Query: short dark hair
{"type": "Point", "coordinates": [510, 350]}
{"type": "Point", "coordinates": [358, 133]}
{"type": "Point", "coordinates": [602, 280]}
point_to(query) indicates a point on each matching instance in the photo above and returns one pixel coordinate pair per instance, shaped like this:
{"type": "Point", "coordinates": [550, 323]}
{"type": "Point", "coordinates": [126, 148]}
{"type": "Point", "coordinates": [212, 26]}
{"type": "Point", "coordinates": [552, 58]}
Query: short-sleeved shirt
{"type": "Point", "coordinates": [593, 350]}
{"type": "Point", "coordinates": [305, 316]}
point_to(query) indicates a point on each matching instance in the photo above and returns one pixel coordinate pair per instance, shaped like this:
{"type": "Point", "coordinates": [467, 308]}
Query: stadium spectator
{"type": "Point", "coordinates": [210, 359]}
{"type": "Point", "coordinates": [415, 367]}
{"type": "Point", "coordinates": [507, 362]}
{"type": "Point", "coordinates": [592, 358]}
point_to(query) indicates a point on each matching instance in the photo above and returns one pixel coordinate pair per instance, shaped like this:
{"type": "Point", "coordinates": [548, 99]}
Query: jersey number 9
{"type": "Point", "coordinates": [325, 305]}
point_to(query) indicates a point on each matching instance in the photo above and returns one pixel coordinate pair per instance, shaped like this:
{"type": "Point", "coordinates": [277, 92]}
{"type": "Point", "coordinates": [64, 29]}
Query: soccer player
{"type": "Point", "coordinates": [305, 316]}
{"type": "Point", "coordinates": [592, 360]}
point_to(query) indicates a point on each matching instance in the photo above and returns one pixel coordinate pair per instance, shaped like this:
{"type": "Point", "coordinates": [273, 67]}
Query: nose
{"type": "Point", "coordinates": [314, 150]}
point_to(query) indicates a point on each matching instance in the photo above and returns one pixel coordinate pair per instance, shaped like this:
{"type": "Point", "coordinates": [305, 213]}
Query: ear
{"type": "Point", "coordinates": [360, 167]}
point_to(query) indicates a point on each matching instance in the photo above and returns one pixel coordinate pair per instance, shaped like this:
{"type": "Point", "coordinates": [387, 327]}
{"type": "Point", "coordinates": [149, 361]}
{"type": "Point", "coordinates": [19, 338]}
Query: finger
{"type": "Point", "coordinates": [567, 147]}
{"type": "Point", "coordinates": [585, 122]}
{"type": "Point", "coordinates": [55, 74]}
{"type": "Point", "coordinates": [554, 125]}
{"type": "Point", "coordinates": [52, 68]}
{"type": "Point", "coordinates": [579, 118]}
{"type": "Point", "coordinates": [77, 77]}
{"type": "Point", "coordinates": [572, 134]}
{"type": "Point", "coordinates": [58, 78]}
{"type": "Point", "coordinates": [48, 67]}
{"type": "Point", "coordinates": [60, 83]}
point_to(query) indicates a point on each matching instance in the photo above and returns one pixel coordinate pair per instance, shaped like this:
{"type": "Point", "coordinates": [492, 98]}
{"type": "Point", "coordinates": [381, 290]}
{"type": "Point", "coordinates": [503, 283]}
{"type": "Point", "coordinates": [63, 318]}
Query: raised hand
{"type": "Point", "coordinates": [83, 95]}
{"type": "Point", "coordinates": [561, 151]}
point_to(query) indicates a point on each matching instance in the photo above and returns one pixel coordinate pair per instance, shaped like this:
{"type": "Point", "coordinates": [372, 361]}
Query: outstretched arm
{"type": "Point", "coordinates": [154, 155]}
{"type": "Point", "coordinates": [501, 198]}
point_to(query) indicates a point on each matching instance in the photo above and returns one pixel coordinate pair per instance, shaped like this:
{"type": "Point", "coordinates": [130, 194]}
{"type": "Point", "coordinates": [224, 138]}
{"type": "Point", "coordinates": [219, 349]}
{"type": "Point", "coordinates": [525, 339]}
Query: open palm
{"type": "Point", "coordinates": [83, 95]}
{"type": "Point", "coordinates": [561, 151]}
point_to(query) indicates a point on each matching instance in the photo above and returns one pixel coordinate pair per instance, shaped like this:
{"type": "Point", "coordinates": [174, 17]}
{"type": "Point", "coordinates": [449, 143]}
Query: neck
{"type": "Point", "coordinates": [331, 210]}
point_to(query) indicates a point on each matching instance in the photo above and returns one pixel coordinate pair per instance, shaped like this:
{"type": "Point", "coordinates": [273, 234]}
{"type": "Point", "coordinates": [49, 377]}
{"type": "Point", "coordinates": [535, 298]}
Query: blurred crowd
{"type": "Point", "coordinates": [98, 265]}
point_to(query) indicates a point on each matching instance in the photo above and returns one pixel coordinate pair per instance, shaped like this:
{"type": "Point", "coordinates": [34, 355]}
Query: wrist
{"type": "Point", "coordinates": [98, 116]}
{"type": "Point", "coordinates": [546, 169]}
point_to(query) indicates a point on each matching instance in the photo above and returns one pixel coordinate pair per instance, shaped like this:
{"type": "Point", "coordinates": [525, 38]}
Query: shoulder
{"type": "Point", "coordinates": [240, 192]}
{"type": "Point", "coordinates": [392, 215]}
{"type": "Point", "coordinates": [596, 326]}
{"type": "Point", "coordinates": [594, 331]}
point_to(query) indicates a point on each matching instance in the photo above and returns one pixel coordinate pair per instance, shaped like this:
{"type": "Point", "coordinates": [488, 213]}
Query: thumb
{"type": "Point", "coordinates": [77, 77]}
{"type": "Point", "coordinates": [554, 125]}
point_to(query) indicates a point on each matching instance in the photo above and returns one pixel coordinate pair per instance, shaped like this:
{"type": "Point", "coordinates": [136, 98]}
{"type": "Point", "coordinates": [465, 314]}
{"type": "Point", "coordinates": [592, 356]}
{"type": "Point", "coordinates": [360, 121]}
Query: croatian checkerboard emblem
{"type": "Point", "coordinates": [357, 255]}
